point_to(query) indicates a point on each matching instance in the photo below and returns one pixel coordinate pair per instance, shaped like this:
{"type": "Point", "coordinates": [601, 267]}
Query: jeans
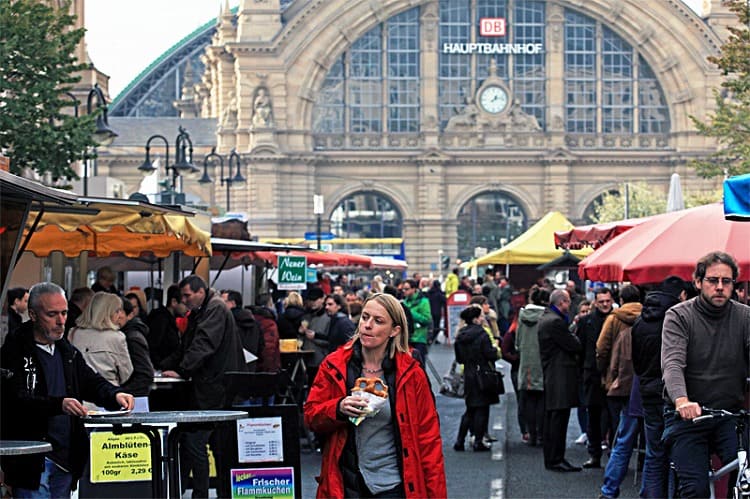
{"type": "Point", "coordinates": [619, 459]}
{"type": "Point", "coordinates": [54, 482]}
{"type": "Point", "coordinates": [656, 464]}
{"type": "Point", "coordinates": [689, 443]}
{"type": "Point", "coordinates": [533, 411]}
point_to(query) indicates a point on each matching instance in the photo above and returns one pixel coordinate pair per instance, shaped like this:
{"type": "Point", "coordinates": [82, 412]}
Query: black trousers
{"type": "Point", "coordinates": [555, 432]}
{"type": "Point", "coordinates": [596, 428]}
{"type": "Point", "coordinates": [533, 412]}
{"type": "Point", "coordinates": [476, 418]}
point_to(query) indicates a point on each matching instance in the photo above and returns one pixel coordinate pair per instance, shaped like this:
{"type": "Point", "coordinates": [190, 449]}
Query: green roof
{"type": "Point", "coordinates": [166, 55]}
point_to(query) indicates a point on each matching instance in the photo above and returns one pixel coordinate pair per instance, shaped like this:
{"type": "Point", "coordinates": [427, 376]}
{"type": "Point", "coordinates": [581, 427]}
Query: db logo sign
{"type": "Point", "coordinates": [492, 26]}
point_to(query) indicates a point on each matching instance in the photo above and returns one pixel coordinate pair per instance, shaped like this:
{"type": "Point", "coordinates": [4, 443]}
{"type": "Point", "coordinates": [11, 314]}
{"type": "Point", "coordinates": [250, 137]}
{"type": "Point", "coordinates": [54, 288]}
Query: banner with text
{"type": "Point", "coordinates": [292, 272]}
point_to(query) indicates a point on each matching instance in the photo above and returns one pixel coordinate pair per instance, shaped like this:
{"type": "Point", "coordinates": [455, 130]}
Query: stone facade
{"type": "Point", "coordinates": [263, 79]}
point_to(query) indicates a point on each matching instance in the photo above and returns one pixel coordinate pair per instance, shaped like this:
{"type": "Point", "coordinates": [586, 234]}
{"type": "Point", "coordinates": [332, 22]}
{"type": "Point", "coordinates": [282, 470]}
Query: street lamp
{"type": "Point", "coordinates": [229, 180]}
{"type": "Point", "coordinates": [104, 135]}
{"type": "Point", "coordinates": [182, 166]}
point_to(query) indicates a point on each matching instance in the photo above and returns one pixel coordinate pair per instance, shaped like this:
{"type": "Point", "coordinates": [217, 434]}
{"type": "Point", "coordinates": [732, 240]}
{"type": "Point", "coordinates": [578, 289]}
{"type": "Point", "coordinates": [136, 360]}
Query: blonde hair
{"type": "Point", "coordinates": [395, 311]}
{"type": "Point", "coordinates": [294, 299]}
{"type": "Point", "coordinates": [99, 313]}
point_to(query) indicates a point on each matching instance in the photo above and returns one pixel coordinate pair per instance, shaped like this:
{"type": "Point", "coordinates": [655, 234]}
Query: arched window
{"type": "Point", "coordinates": [488, 220]}
{"type": "Point", "coordinates": [603, 76]}
{"type": "Point", "coordinates": [366, 215]}
{"type": "Point", "coordinates": [462, 74]}
{"type": "Point", "coordinates": [374, 86]}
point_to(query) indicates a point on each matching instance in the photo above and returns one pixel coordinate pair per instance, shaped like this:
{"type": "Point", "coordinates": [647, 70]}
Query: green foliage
{"type": "Point", "coordinates": [645, 201]}
{"type": "Point", "coordinates": [730, 124]}
{"type": "Point", "coordinates": [37, 67]}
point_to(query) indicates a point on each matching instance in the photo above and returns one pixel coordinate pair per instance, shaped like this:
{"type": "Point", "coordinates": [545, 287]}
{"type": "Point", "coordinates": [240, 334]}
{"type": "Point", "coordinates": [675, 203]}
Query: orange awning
{"type": "Point", "coordinates": [106, 227]}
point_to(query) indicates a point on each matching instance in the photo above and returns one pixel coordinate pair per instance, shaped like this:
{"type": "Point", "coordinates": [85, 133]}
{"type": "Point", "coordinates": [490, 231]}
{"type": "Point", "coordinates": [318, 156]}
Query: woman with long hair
{"type": "Point", "coordinates": [98, 337]}
{"type": "Point", "coordinates": [377, 454]}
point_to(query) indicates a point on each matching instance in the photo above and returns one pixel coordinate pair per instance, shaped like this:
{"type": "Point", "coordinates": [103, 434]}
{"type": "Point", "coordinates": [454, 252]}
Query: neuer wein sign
{"type": "Point", "coordinates": [292, 272]}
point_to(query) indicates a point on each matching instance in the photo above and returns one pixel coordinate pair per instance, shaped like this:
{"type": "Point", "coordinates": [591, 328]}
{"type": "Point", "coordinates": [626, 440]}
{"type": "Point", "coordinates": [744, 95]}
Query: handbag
{"type": "Point", "coordinates": [490, 381]}
{"type": "Point", "coordinates": [453, 382]}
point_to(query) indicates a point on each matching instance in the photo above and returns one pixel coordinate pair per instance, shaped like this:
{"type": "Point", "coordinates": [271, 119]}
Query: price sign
{"type": "Point", "coordinates": [120, 458]}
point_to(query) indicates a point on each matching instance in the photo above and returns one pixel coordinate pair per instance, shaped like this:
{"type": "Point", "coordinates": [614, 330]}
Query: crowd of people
{"type": "Point", "coordinates": [629, 359]}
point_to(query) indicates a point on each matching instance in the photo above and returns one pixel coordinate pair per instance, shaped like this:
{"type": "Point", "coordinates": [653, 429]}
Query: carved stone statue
{"type": "Point", "coordinates": [466, 119]}
{"type": "Point", "coordinates": [262, 112]}
{"type": "Point", "coordinates": [229, 116]}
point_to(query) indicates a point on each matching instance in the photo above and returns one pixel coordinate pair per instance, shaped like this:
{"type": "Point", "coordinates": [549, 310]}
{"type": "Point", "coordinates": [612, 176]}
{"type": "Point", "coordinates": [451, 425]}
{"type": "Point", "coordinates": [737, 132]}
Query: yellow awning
{"type": "Point", "coordinates": [105, 227]}
{"type": "Point", "coordinates": [535, 246]}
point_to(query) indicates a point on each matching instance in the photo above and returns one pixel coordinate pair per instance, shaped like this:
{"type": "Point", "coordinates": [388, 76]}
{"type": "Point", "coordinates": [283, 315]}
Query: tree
{"type": "Point", "coordinates": [644, 202]}
{"type": "Point", "coordinates": [730, 124]}
{"type": "Point", "coordinates": [37, 67]}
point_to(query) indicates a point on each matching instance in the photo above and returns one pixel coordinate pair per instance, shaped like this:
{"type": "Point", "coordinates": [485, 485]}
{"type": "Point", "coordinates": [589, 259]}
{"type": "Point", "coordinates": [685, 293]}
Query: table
{"type": "Point", "coordinates": [148, 423]}
{"type": "Point", "coordinates": [297, 376]}
{"type": "Point", "coordinates": [297, 391]}
{"type": "Point", "coordinates": [19, 447]}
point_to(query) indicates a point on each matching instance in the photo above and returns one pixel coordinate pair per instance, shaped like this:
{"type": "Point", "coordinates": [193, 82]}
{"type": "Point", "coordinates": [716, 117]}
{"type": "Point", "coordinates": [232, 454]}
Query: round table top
{"type": "Point", "coordinates": [167, 417]}
{"type": "Point", "coordinates": [18, 447]}
{"type": "Point", "coordinates": [164, 379]}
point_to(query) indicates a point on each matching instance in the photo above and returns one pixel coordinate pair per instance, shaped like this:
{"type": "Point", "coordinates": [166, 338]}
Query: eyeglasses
{"type": "Point", "coordinates": [405, 288]}
{"type": "Point", "coordinates": [713, 281]}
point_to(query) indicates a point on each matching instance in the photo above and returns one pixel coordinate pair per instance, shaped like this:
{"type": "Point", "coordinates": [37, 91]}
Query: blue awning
{"type": "Point", "coordinates": [737, 198]}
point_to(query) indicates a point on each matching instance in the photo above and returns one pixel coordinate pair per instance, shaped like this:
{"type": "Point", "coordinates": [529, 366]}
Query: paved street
{"type": "Point", "coordinates": [512, 469]}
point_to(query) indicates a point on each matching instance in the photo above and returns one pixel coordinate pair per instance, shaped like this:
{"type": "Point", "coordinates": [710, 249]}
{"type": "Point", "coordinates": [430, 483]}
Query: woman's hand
{"type": "Point", "coordinates": [353, 406]}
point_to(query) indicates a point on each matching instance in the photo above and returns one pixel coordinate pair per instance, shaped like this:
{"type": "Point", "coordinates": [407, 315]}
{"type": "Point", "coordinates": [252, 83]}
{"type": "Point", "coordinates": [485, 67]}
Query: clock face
{"type": "Point", "coordinates": [493, 99]}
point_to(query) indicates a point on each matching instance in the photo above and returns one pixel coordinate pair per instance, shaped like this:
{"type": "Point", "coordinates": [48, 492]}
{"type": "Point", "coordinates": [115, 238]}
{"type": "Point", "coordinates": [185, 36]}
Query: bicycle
{"type": "Point", "coordinates": [740, 464]}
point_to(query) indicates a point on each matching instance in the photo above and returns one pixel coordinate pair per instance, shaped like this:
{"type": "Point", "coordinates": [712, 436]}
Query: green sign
{"type": "Point", "coordinates": [292, 272]}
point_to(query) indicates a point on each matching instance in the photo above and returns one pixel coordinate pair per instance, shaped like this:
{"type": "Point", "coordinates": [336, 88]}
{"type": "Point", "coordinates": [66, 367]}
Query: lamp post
{"type": "Point", "coordinates": [234, 158]}
{"type": "Point", "coordinates": [318, 211]}
{"type": "Point", "coordinates": [182, 166]}
{"type": "Point", "coordinates": [103, 135]}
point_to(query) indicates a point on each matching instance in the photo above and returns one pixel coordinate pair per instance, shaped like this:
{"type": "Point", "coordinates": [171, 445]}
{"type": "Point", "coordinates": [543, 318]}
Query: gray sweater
{"type": "Point", "coordinates": [704, 354]}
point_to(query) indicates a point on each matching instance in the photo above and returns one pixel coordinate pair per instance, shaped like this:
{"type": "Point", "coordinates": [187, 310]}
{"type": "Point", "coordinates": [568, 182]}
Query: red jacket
{"type": "Point", "coordinates": [416, 416]}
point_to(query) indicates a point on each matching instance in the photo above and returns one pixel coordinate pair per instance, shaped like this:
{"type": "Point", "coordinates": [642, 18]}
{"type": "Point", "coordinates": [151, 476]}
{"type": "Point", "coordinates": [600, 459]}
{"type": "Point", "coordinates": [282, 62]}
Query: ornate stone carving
{"type": "Point", "coordinates": [514, 120]}
{"type": "Point", "coordinates": [229, 115]}
{"type": "Point", "coordinates": [262, 111]}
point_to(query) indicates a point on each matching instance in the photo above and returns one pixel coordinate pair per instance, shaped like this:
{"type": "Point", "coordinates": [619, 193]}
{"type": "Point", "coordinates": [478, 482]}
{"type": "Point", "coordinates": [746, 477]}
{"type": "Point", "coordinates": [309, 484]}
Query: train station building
{"type": "Point", "coordinates": [448, 124]}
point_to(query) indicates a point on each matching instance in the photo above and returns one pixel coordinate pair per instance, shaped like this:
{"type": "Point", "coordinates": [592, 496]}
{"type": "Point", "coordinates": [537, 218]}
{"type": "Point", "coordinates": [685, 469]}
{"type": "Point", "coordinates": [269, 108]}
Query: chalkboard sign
{"type": "Point", "coordinates": [457, 301]}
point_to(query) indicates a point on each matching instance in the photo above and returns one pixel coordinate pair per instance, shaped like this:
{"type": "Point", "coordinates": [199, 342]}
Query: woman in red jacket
{"type": "Point", "coordinates": [396, 452]}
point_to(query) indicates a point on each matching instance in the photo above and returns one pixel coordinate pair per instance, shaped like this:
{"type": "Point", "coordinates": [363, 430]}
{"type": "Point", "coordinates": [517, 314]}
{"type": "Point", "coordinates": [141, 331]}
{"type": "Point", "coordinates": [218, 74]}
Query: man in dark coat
{"type": "Point", "coordinates": [646, 345]}
{"type": "Point", "coordinates": [247, 327]}
{"type": "Point", "coordinates": [42, 400]}
{"type": "Point", "coordinates": [78, 303]}
{"type": "Point", "coordinates": [558, 348]}
{"type": "Point", "coordinates": [594, 396]}
{"type": "Point", "coordinates": [163, 335]}
{"type": "Point", "coordinates": [210, 348]}
{"type": "Point", "coordinates": [136, 331]}
{"type": "Point", "coordinates": [18, 299]}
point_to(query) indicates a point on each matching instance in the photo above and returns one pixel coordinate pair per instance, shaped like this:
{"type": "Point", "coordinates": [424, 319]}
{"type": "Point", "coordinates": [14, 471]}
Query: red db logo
{"type": "Point", "coordinates": [492, 26]}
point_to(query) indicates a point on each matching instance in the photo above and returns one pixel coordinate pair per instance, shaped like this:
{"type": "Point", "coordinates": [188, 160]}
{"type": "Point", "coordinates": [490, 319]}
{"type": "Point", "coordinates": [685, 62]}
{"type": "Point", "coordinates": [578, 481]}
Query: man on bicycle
{"type": "Point", "coordinates": [705, 346]}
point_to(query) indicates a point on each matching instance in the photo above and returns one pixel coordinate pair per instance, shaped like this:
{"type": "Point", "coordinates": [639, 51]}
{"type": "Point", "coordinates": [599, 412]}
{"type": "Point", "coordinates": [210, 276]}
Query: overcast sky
{"type": "Point", "coordinates": [123, 38]}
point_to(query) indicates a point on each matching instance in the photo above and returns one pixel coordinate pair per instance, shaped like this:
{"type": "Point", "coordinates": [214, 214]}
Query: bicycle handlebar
{"type": "Point", "coordinates": [709, 413]}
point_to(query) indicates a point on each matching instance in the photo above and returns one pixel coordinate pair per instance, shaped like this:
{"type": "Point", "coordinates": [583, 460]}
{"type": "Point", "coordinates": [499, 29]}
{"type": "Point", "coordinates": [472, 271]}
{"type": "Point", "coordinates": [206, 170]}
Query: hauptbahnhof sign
{"type": "Point", "coordinates": [492, 27]}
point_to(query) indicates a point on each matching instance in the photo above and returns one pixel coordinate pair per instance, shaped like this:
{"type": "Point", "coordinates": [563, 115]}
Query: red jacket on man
{"type": "Point", "coordinates": [416, 416]}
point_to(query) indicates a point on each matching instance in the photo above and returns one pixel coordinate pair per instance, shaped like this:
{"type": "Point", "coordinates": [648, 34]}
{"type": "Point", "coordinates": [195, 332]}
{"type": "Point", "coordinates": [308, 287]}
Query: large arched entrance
{"type": "Point", "coordinates": [488, 220]}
